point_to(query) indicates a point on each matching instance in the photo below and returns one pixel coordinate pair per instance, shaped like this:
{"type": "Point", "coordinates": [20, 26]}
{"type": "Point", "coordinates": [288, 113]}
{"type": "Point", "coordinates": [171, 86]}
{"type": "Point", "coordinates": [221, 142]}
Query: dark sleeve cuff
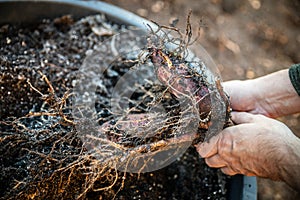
{"type": "Point", "coordinates": [294, 73]}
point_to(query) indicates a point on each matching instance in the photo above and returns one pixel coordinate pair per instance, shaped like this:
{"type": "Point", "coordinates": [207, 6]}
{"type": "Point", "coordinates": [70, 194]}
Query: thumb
{"type": "Point", "coordinates": [229, 87]}
{"type": "Point", "coordinates": [244, 117]}
{"type": "Point", "coordinates": [209, 148]}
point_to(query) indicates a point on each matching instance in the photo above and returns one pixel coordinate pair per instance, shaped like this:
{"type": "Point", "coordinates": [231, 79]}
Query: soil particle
{"type": "Point", "coordinates": [41, 155]}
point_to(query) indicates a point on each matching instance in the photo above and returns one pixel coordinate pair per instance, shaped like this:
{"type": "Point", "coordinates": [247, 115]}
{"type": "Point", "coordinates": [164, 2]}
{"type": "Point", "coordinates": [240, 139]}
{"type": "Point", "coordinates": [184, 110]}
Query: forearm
{"type": "Point", "coordinates": [277, 92]}
{"type": "Point", "coordinates": [290, 168]}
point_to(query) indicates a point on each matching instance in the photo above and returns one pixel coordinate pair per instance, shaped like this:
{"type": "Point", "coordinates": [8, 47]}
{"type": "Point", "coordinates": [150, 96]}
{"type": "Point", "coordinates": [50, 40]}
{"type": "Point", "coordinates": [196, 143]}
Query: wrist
{"type": "Point", "coordinates": [290, 165]}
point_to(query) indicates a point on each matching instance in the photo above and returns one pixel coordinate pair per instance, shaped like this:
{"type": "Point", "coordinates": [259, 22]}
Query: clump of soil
{"type": "Point", "coordinates": [42, 156]}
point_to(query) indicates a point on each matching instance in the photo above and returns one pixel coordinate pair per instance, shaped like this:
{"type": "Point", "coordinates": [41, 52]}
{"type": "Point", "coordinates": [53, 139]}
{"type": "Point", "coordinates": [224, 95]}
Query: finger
{"type": "Point", "coordinates": [244, 117]}
{"type": "Point", "coordinates": [248, 173]}
{"type": "Point", "coordinates": [228, 87]}
{"type": "Point", "coordinates": [215, 161]}
{"type": "Point", "coordinates": [229, 171]}
{"type": "Point", "coordinates": [208, 149]}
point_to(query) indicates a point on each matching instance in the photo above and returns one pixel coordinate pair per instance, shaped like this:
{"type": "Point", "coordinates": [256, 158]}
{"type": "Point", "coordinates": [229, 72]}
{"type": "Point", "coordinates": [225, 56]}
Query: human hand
{"type": "Point", "coordinates": [256, 146]}
{"type": "Point", "coordinates": [272, 95]}
{"type": "Point", "coordinates": [246, 96]}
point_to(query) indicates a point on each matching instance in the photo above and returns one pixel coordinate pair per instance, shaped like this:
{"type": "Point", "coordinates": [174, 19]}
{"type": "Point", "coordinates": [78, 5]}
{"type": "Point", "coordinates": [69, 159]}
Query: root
{"type": "Point", "coordinates": [163, 34]}
{"type": "Point", "coordinates": [156, 121]}
{"type": "Point", "coordinates": [57, 104]}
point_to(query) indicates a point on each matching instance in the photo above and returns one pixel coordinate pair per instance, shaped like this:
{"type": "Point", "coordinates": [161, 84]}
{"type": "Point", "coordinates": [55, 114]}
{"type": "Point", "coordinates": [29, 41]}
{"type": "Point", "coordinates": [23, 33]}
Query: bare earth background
{"type": "Point", "coordinates": [246, 39]}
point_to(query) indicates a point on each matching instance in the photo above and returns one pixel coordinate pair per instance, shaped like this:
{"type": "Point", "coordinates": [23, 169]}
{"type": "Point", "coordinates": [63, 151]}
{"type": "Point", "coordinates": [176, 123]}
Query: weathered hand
{"type": "Point", "coordinates": [244, 96]}
{"type": "Point", "coordinates": [256, 146]}
{"type": "Point", "coordinates": [272, 95]}
{"type": "Point", "coordinates": [248, 96]}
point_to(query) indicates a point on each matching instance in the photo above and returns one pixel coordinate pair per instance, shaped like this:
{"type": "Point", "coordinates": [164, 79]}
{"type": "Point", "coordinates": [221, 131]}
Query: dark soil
{"type": "Point", "coordinates": [246, 39]}
{"type": "Point", "coordinates": [41, 154]}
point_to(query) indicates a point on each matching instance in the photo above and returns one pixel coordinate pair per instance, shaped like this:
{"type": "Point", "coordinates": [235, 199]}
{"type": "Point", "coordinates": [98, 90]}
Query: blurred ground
{"type": "Point", "coordinates": [246, 39]}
